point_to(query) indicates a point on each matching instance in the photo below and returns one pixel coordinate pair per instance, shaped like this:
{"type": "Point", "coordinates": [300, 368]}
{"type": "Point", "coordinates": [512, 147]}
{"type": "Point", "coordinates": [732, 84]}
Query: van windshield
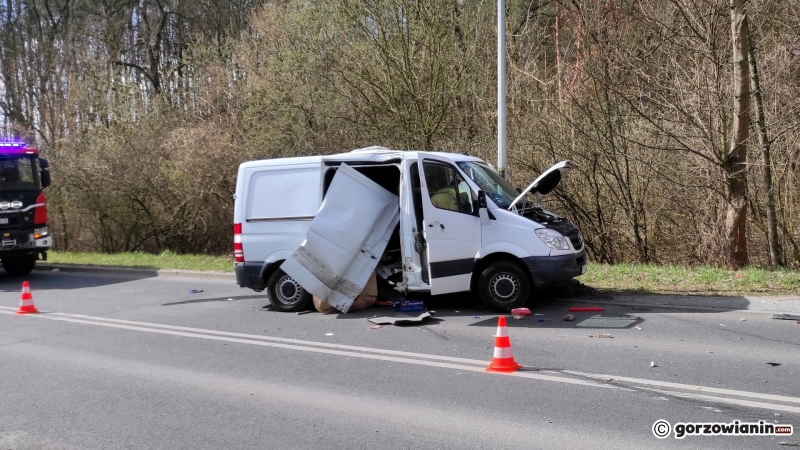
{"type": "Point", "coordinates": [495, 186]}
{"type": "Point", "coordinates": [19, 174]}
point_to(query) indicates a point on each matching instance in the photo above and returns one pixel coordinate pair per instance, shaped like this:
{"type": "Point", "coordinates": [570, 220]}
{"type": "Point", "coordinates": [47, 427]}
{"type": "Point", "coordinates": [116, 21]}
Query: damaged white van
{"type": "Point", "coordinates": [422, 221]}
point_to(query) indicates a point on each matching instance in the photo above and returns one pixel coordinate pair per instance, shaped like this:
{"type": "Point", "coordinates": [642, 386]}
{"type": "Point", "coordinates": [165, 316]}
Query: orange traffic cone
{"type": "Point", "coordinates": [26, 301]}
{"type": "Point", "coordinates": [503, 360]}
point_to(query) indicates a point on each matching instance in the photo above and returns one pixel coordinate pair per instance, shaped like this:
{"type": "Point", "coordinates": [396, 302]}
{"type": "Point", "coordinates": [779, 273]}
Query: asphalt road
{"type": "Point", "coordinates": [118, 362]}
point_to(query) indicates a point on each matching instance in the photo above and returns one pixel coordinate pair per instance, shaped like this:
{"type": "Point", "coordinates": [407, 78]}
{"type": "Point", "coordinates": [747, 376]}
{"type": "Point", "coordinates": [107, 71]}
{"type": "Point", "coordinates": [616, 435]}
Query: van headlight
{"type": "Point", "coordinates": [553, 239]}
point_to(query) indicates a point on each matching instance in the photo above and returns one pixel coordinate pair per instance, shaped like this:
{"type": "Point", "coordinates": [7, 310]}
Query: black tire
{"type": "Point", "coordinates": [503, 286]}
{"type": "Point", "coordinates": [19, 266]}
{"type": "Point", "coordinates": [285, 294]}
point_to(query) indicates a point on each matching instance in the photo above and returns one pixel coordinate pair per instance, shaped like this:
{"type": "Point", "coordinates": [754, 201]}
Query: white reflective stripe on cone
{"type": "Point", "coordinates": [501, 332]}
{"type": "Point", "coordinates": [503, 352]}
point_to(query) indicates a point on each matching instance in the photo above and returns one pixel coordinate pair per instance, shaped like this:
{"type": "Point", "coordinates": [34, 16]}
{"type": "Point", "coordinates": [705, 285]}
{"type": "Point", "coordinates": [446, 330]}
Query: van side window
{"type": "Point", "coordinates": [446, 188]}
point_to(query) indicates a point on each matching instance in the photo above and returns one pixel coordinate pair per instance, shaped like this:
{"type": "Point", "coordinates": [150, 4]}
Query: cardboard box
{"type": "Point", "coordinates": [364, 300]}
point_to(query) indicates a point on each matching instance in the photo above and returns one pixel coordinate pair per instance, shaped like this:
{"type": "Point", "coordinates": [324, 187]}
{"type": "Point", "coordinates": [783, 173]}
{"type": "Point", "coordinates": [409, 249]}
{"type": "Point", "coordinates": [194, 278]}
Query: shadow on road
{"type": "Point", "coordinates": [47, 280]}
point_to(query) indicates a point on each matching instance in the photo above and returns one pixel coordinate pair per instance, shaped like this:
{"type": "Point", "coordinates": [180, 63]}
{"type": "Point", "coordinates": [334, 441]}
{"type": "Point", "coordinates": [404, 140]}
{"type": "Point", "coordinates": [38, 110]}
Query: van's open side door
{"type": "Point", "coordinates": [346, 239]}
{"type": "Point", "coordinates": [451, 224]}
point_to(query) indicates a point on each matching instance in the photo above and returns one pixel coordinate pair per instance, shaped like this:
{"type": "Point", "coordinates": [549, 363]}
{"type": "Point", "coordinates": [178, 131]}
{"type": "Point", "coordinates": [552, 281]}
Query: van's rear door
{"type": "Point", "coordinates": [346, 239]}
{"type": "Point", "coordinates": [451, 224]}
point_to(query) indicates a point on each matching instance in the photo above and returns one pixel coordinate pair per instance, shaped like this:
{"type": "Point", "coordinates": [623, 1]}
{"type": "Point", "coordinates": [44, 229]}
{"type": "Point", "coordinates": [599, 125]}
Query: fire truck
{"type": "Point", "coordinates": [24, 237]}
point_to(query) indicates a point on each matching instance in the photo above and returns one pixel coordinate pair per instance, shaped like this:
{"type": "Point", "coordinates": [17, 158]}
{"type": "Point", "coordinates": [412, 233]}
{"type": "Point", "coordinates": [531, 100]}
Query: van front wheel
{"type": "Point", "coordinates": [285, 294]}
{"type": "Point", "coordinates": [504, 286]}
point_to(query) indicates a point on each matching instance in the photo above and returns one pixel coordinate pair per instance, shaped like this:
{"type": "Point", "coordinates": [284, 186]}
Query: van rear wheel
{"type": "Point", "coordinates": [504, 286]}
{"type": "Point", "coordinates": [285, 294]}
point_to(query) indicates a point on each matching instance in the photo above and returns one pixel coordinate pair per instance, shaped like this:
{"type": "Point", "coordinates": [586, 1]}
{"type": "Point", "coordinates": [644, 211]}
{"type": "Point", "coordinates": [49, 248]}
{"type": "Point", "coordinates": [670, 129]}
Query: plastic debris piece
{"type": "Point", "coordinates": [400, 320]}
{"type": "Point", "coordinates": [774, 364]}
{"type": "Point", "coordinates": [540, 314]}
{"type": "Point", "coordinates": [586, 309]}
{"type": "Point", "coordinates": [605, 335]}
{"type": "Point", "coordinates": [653, 364]}
{"type": "Point", "coordinates": [476, 317]}
{"type": "Point", "coordinates": [568, 318]}
{"type": "Point", "coordinates": [300, 313]}
{"type": "Point", "coordinates": [375, 327]}
{"type": "Point", "coordinates": [541, 320]}
{"type": "Point", "coordinates": [521, 312]}
{"type": "Point", "coordinates": [742, 320]}
{"type": "Point", "coordinates": [195, 291]}
{"type": "Point", "coordinates": [328, 334]}
{"type": "Point", "coordinates": [638, 327]}
{"type": "Point", "coordinates": [788, 444]}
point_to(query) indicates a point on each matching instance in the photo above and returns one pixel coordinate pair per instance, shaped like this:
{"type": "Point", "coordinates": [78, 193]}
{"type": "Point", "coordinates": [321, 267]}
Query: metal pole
{"type": "Point", "coordinates": [502, 151]}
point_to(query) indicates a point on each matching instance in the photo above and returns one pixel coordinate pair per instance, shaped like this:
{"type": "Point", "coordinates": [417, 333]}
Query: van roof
{"type": "Point", "coordinates": [374, 153]}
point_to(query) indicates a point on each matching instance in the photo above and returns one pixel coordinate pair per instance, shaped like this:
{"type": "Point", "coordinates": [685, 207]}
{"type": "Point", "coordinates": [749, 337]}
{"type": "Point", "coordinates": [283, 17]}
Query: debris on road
{"type": "Point", "coordinates": [586, 309]}
{"type": "Point", "coordinates": [786, 316]}
{"type": "Point", "coordinates": [568, 318]}
{"type": "Point", "coordinates": [742, 320]}
{"type": "Point", "coordinates": [375, 327]}
{"type": "Point", "coordinates": [518, 316]}
{"type": "Point", "coordinates": [383, 320]}
{"type": "Point", "coordinates": [774, 364]}
{"type": "Point", "coordinates": [605, 335]}
{"type": "Point", "coordinates": [409, 305]}
{"type": "Point", "coordinates": [476, 317]}
{"type": "Point", "coordinates": [788, 444]}
{"type": "Point", "coordinates": [328, 334]}
{"type": "Point", "coordinates": [638, 327]}
{"type": "Point", "coordinates": [300, 313]}
{"type": "Point", "coordinates": [653, 364]}
{"type": "Point", "coordinates": [195, 291]}
{"type": "Point", "coordinates": [521, 312]}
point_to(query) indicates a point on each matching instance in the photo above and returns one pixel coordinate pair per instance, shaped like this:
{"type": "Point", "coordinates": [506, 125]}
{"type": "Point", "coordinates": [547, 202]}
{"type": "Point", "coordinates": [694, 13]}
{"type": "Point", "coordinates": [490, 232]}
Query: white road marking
{"type": "Point", "coordinates": [395, 356]}
{"type": "Point", "coordinates": [214, 337]}
{"type": "Point", "coordinates": [688, 387]}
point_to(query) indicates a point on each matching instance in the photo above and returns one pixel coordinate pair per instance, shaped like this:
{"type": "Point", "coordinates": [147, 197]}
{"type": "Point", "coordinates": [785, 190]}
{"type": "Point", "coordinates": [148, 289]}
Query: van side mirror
{"type": "Point", "coordinates": [483, 213]}
{"type": "Point", "coordinates": [44, 171]}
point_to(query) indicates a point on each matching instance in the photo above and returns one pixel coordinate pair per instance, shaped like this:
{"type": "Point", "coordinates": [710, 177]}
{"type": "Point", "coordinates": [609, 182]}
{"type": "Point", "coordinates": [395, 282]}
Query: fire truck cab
{"type": "Point", "coordinates": [24, 237]}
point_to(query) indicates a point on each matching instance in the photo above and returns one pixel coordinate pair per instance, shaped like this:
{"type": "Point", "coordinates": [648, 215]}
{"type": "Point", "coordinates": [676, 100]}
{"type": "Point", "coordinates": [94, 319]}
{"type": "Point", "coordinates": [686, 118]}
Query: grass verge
{"type": "Point", "coordinates": [165, 260]}
{"type": "Point", "coordinates": [704, 280]}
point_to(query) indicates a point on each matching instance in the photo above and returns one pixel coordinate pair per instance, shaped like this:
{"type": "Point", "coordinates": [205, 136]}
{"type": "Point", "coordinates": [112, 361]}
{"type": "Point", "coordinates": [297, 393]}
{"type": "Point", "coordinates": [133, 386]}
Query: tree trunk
{"type": "Point", "coordinates": [775, 256]}
{"type": "Point", "coordinates": [735, 163]}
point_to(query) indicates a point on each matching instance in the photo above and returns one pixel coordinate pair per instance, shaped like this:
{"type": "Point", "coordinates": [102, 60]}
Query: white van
{"type": "Point", "coordinates": [461, 227]}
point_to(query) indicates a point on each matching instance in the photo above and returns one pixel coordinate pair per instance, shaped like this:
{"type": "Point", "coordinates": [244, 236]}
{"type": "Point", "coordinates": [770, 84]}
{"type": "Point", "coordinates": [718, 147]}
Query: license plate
{"type": "Point", "coordinates": [3, 220]}
{"type": "Point", "coordinates": [583, 269]}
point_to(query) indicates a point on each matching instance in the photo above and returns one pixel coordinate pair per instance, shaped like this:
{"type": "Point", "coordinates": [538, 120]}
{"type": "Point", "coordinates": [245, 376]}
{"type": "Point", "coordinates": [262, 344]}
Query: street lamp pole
{"type": "Point", "coordinates": [502, 151]}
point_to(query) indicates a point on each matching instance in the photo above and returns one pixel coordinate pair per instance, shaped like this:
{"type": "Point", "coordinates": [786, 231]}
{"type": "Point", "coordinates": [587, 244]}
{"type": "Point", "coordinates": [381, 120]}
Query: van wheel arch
{"type": "Point", "coordinates": [484, 262]}
{"type": "Point", "coordinates": [268, 270]}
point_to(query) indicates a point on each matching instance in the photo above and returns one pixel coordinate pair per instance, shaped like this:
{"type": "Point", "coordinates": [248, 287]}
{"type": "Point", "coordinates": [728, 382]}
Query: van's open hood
{"type": "Point", "coordinates": [547, 181]}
